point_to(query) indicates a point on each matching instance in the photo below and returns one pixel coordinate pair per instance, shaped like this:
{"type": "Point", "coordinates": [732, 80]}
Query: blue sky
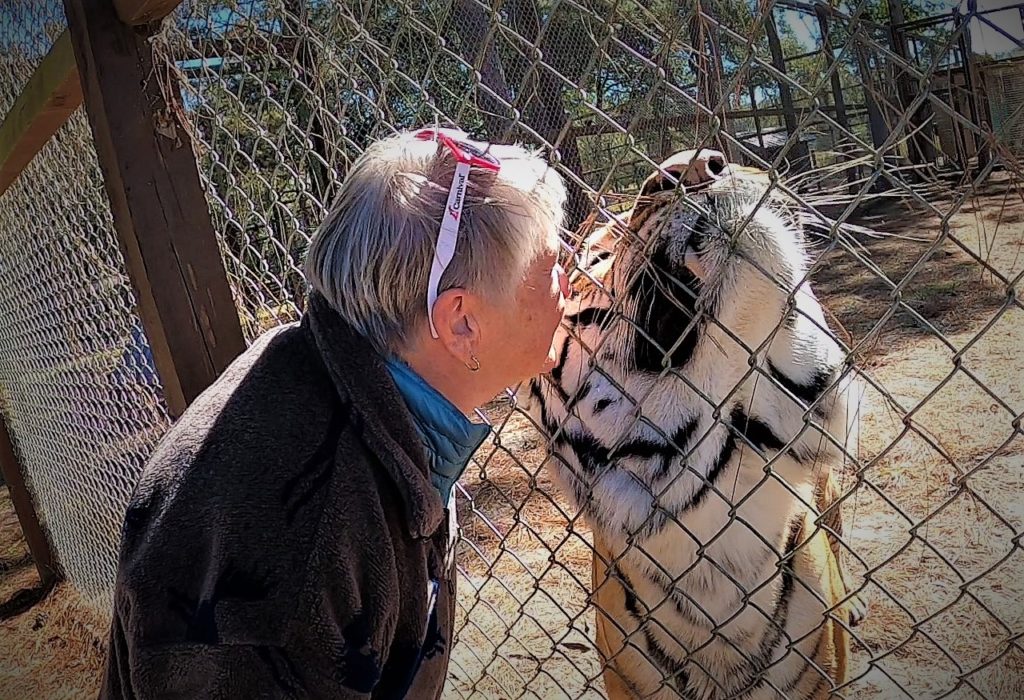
{"type": "Point", "coordinates": [988, 40]}
{"type": "Point", "coordinates": [984, 38]}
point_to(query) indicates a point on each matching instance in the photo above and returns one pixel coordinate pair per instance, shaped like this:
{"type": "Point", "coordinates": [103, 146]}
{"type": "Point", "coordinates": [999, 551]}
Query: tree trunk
{"type": "Point", "coordinates": [706, 64]}
{"type": "Point", "coordinates": [481, 53]}
{"type": "Point", "coordinates": [533, 89]}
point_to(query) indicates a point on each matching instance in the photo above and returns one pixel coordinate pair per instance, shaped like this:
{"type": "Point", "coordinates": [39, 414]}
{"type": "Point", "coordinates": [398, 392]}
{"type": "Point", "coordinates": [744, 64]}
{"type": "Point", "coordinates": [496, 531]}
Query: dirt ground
{"type": "Point", "coordinates": [933, 515]}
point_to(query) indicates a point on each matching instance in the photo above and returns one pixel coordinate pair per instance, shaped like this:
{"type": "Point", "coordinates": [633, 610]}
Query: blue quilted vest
{"type": "Point", "coordinates": [449, 438]}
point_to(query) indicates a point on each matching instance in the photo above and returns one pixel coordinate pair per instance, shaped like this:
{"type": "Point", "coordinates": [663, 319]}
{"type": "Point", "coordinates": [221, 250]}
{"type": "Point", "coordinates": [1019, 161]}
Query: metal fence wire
{"type": "Point", "coordinates": [27, 30]}
{"type": "Point", "coordinates": [77, 385]}
{"type": "Point", "coordinates": [893, 127]}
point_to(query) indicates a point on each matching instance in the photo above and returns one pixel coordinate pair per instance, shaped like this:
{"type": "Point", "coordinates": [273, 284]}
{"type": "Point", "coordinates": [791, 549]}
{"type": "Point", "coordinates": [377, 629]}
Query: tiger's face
{"type": "Point", "coordinates": [691, 320]}
{"type": "Point", "coordinates": [706, 242]}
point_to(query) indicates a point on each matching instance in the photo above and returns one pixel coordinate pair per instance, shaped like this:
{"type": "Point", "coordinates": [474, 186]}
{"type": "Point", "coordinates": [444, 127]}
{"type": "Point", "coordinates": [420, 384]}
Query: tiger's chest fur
{"type": "Point", "coordinates": [698, 458]}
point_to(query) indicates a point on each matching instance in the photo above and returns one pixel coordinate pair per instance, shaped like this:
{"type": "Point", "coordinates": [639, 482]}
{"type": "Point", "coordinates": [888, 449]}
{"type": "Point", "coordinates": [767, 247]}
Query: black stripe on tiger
{"type": "Point", "coordinates": [590, 316]}
{"type": "Point", "coordinates": [681, 439]}
{"type": "Point", "coordinates": [648, 449]}
{"type": "Point", "coordinates": [563, 357]}
{"type": "Point", "coordinates": [660, 518]}
{"type": "Point", "coordinates": [555, 378]}
{"type": "Point", "coordinates": [661, 316]}
{"type": "Point", "coordinates": [809, 392]}
{"type": "Point", "coordinates": [591, 454]}
{"type": "Point", "coordinates": [545, 419]}
{"type": "Point", "coordinates": [756, 431]}
{"type": "Point", "coordinates": [672, 669]}
{"type": "Point", "coordinates": [684, 607]}
{"type": "Point", "coordinates": [580, 395]}
{"type": "Point", "coordinates": [810, 665]}
{"type": "Point", "coordinates": [776, 627]}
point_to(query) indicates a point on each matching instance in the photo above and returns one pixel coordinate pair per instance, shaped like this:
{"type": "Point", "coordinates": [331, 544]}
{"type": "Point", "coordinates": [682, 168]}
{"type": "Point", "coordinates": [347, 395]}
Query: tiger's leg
{"type": "Point", "coordinates": [838, 589]}
{"type": "Point", "coordinates": [628, 672]}
{"type": "Point", "coordinates": [824, 645]}
{"type": "Point", "coordinates": [827, 493]}
{"type": "Point", "coordinates": [610, 640]}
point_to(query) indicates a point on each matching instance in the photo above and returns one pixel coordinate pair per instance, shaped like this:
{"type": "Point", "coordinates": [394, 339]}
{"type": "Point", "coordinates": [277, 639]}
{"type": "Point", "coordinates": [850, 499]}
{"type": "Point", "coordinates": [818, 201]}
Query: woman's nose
{"type": "Point", "coordinates": [563, 281]}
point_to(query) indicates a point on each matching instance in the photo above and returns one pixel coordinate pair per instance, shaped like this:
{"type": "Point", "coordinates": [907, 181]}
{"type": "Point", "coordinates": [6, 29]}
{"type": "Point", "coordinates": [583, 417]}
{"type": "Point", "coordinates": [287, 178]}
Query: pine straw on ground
{"type": "Point", "coordinates": [55, 649]}
{"type": "Point", "coordinates": [933, 519]}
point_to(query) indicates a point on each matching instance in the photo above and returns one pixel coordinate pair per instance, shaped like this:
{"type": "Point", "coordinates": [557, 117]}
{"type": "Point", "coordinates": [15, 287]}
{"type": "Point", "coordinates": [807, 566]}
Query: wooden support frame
{"type": "Point", "coordinates": [158, 205]}
{"type": "Point", "coordinates": [31, 527]}
{"type": "Point", "coordinates": [799, 152]}
{"type": "Point", "coordinates": [48, 99]}
{"type": "Point", "coordinates": [977, 100]}
{"type": "Point", "coordinates": [175, 265]}
{"type": "Point", "coordinates": [920, 149]}
{"type": "Point", "coordinates": [50, 96]}
{"type": "Point", "coordinates": [681, 122]}
{"type": "Point", "coordinates": [779, 63]}
{"type": "Point", "coordinates": [54, 92]}
{"type": "Point", "coordinates": [138, 12]}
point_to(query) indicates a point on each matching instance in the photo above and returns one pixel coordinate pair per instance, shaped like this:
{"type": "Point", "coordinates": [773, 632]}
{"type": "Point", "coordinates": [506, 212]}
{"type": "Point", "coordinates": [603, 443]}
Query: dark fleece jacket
{"type": "Point", "coordinates": [285, 540]}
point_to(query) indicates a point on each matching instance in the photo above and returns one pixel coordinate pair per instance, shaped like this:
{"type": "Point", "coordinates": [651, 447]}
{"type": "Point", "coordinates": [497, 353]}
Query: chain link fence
{"type": "Point", "coordinates": [27, 31]}
{"type": "Point", "coordinates": [902, 121]}
{"type": "Point", "coordinates": [78, 389]}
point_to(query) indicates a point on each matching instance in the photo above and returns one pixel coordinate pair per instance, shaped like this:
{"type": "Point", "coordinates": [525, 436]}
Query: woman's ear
{"type": "Point", "coordinates": [457, 324]}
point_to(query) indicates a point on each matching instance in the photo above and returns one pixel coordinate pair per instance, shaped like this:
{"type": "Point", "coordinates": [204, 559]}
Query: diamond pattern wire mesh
{"type": "Point", "coordinates": [892, 132]}
{"type": "Point", "coordinates": [28, 29]}
{"type": "Point", "coordinates": [79, 391]}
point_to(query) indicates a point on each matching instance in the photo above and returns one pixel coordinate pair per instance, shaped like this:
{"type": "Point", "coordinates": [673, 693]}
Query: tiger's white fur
{"type": "Point", "coordinates": [700, 459]}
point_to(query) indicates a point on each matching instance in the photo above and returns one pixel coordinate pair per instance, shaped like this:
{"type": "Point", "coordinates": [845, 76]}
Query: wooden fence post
{"type": "Point", "coordinates": [35, 537]}
{"type": "Point", "coordinates": [159, 208]}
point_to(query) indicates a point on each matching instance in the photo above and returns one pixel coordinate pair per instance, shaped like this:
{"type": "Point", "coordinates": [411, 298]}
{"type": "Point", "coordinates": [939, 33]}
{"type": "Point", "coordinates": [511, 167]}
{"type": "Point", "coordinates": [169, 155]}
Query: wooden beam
{"type": "Point", "coordinates": [599, 127]}
{"type": "Point", "coordinates": [977, 100]}
{"type": "Point", "coordinates": [805, 54]}
{"type": "Point", "coordinates": [35, 537]}
{"type": "Point", "coordinates": [158, 205]}
{"type": "Point", "coordinates": [137, 12]}
{"type": "Point", "coordinates": [48, 99]}
{"type": "Point", "coordinates": [920, 148]}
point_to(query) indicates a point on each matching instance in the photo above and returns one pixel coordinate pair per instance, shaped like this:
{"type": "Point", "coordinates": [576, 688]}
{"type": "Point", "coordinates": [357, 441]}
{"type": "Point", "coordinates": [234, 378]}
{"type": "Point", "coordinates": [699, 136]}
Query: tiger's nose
{"type": "Point", "coordinates": [689, 168]}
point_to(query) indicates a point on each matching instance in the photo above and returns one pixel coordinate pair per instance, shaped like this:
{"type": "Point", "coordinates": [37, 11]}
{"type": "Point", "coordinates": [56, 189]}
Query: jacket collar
{"type": "Point", "coordinates": [361, 378]}
{"type": "Point", "coordinates": [449, 437]}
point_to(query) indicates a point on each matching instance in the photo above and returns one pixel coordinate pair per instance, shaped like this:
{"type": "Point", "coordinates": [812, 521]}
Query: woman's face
{"type": "Point", "coordinates": [516, 342]}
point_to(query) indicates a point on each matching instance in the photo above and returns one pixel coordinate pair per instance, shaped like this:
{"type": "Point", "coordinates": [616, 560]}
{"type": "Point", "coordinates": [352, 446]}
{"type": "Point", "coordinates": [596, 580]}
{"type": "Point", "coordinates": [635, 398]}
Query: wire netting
{"type": "Point", "coordinates": [888, 129]}
{"type": "Point", "coordinates": [78, 389]}
{"type": "Point", "coordinates": [28, 28]}
{"type": "Point", "coordinates": [77, 384]}
{"type": "Point", "coordinates": [894, 127]}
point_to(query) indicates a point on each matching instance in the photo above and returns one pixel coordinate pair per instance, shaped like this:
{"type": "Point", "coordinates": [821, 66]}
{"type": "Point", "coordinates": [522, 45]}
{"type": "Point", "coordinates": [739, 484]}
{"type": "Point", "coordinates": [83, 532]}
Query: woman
{"type": "Point", "coordinates": [291, 536]}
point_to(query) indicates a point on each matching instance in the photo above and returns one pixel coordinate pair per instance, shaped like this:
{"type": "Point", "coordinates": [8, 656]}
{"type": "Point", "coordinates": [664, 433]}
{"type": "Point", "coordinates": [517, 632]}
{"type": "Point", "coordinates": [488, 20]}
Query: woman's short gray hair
{"type": "Point", "coordinates": [371, 256]}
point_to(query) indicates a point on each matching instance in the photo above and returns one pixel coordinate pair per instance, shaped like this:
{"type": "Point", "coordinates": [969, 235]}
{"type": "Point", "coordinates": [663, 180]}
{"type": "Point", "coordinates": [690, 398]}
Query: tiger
{"type": "Point", "coordinates": [695, 417]}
